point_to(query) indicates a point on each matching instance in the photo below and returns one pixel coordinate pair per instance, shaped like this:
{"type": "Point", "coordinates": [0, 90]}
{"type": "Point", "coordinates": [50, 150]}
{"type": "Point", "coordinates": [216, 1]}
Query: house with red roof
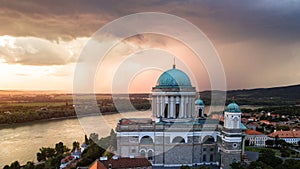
{"type": "Point", "coordinates": [255, 138]}
{"type": "Point", "coordinates": [65, 162]}
{"type": "Point", "coordinates": [288, 136]}
{"type": "Point", "coordinates": [122, 163]}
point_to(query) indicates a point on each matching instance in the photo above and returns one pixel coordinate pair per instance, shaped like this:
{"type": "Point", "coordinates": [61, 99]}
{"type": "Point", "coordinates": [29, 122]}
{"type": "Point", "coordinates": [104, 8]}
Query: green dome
{"type": "Point", "coordinates": [174, 78]}
{"type": "Point", "coordinates": [199, 102]}
{"type": "Point", "coordinates": [233, 108]}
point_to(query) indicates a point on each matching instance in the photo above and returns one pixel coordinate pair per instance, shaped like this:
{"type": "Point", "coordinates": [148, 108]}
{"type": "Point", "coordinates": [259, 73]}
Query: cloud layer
{"type": "Point", "coordinates": [259, 41]}
{"type": "Point", "coordinates": [38, 52]}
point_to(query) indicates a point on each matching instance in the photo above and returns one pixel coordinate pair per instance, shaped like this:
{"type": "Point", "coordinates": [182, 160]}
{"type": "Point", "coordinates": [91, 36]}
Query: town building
{"type": "Point", "coordinates": [121, 163]}
{"type": "Point", "coordinates": [180, 134]}
{"type": "Point", "coordinates": [288, 136]}
{"type": "Point", "coordinates": [255, 138]}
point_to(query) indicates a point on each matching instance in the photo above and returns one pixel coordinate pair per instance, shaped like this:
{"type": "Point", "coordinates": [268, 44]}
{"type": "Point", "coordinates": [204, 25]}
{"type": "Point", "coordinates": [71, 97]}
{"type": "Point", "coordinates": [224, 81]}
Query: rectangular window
{"type": "Point", "coordinates": [211, 157]}
{"type": "Point", "coordinates": [204, 157]}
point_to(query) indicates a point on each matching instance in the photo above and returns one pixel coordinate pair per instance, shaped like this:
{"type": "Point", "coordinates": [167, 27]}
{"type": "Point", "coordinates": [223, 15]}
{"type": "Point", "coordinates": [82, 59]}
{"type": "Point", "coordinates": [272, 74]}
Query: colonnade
{"type": "Point", "coordinates": [173, 106]}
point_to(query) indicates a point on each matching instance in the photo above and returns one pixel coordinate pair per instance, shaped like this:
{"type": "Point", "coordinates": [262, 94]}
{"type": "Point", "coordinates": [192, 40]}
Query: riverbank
{"type": "Point", "coordinates": [13, 125]}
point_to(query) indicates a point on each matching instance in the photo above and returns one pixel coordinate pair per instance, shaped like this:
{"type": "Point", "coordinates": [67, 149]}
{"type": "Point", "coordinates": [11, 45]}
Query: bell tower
{"type": "Point", "coordinates": [199, 108]}
{"type": "Point", "coordinates": [231, 136]}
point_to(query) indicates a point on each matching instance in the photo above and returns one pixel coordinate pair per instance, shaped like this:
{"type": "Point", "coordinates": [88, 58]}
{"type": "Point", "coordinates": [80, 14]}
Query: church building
{"type": "Point", "coordinates": [181, 134]}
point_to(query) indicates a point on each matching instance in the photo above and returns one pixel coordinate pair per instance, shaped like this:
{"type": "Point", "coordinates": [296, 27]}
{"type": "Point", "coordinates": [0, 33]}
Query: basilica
{"type": "Point", "coordinates": [180, 133]}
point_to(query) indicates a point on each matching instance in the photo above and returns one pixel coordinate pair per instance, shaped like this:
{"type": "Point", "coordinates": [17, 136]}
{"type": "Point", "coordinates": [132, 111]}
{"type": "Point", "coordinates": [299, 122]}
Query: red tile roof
{"type": "Point", "coordinates": [265, 121]}
{"type": "Point", "coordinates": [125, 162]}
{"type": "Point", "coordinates": [286, 134]}
{"type": "Point", "coordinates": [253, 132]}
{"type": "Point", "coordinates": [97, 165]}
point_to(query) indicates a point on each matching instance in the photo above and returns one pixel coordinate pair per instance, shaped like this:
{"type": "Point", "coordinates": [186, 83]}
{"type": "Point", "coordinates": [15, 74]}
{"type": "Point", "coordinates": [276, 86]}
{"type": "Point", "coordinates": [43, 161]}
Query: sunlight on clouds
{"type": "Point", "coordinates": [6, 41]}
{"type": "Point", "coordinates": [39, 52]}
{"type": "Point", "coordinates": [38, 64]}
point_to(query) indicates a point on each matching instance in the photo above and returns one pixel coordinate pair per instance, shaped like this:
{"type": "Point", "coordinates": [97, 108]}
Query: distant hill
{"type": "Point", "coordinates": [286, 95]}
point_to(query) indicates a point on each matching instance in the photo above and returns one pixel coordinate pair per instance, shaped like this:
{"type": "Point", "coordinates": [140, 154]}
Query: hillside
{"type": "Point", "coordinates": [287, 95]}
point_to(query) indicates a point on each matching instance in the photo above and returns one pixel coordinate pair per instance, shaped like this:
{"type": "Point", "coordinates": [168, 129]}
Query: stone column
{"type": "Point", "coordinates": [172, 103]}
{"type": "Point", "coordinates": [192, 103]}
{"type": "Point", "coordinates": [188, 107]}
{"type": "Point", "coordinates": [169, 112]}
{"type": "Point", "coordinates": [181, 108]}
{"type": "Point", "coordinates": [186, 101]}
{"type": "Point", "coordinates": [157, 106]}
{"type": "Point", "coordinates": [154, 106]}
{"type": "Point", "coordinates": [161, 102]}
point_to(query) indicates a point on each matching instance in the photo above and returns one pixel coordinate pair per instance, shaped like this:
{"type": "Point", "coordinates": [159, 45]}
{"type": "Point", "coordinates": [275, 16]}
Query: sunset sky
{"type": "Point", "coordinates": [40, 42]}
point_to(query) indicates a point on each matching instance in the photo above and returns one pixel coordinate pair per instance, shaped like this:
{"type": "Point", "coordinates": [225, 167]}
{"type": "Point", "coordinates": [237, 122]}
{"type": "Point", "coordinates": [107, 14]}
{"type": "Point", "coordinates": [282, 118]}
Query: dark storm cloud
{"type": "Point", "coordinates": [223, 21]}
{"type": "Point", "coordinates": [259, 40]}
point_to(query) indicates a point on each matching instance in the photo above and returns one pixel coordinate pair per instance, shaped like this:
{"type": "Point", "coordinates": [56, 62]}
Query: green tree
{"type": "Point", "coordinates": [15, 165]}
{"type": "Point", "coordinates": [185, 167]}
{"type": "Point", "coordinates": [285, 152]}
{"type": "Point", "coordinates": [204, 167]}
{"type": "Point", "coordinates": [60, 148]}
{"type": "Point", "coordinates": [267, 156]}
{"type": "Point", "coordinates": [258, 165]}
{"type": "Point", "coordinates": [276, 141]}
{"type": "Point", "coordinates": [269, 143]}
{"type": "Point", "coordinates": [6, 167]}
{"type": "Point", "coordinates": [75, 145]}
{"type": "Point", "coordinates": [290, 164]}
{"type": "Point", "coordinates": [40, 166]}
{"type": "Point", "coordinates": [236, 166]}
{"type": "Point", "coordinates": [40, 157]}
{"type": "Point", "coordinates": [29, 165]}
{"type": "Point", "coordinates": [86, 140]}
{"type": "Point", "coordinates": [90, 154]}
{"type": "Point", "coordinates": [54, 162]}
{"type": "Point", "coordinates": [45, 153]}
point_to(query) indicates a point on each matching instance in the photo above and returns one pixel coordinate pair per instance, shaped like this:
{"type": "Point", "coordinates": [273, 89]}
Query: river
{"type": "Point", "coordinates": [21, 142]}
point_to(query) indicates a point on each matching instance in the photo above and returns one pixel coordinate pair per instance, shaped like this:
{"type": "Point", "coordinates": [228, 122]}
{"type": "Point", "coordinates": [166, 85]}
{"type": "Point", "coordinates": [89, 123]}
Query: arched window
{"type": "Point", "coordinates": [146, 140]}
{"type": "Point", "coordinates": [150, 155]}
{"type": "Point", "coordinates": [235, 122]}
{"type": "Point", "coordinates": [200, 112]}
{"type": "Point", "coordinates": [208, 140]}
{"type": "Point", "coordinates": [178, 139]}
{"type": "Point", "coordinates": [143, 153]}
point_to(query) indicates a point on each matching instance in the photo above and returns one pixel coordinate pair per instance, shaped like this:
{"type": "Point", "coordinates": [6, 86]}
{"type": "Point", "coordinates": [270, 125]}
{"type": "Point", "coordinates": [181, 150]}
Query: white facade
{"type": "Point", "coordinates": [257, 140]}
{"type": "Point", "coordinates": [232, 120]}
